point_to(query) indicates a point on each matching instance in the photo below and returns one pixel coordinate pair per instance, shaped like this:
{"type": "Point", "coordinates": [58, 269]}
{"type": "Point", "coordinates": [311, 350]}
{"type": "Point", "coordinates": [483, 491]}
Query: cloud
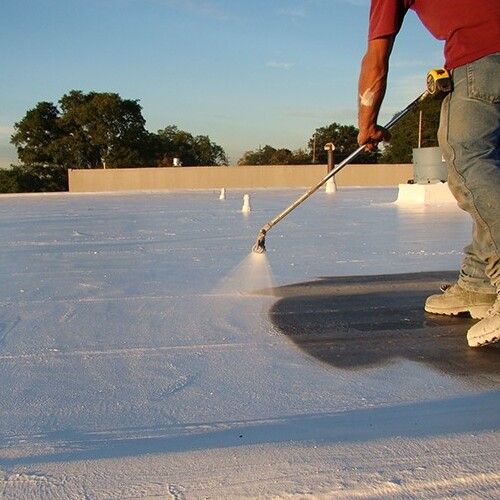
{"type": "Point", "coordinates": [280, 65]}
{"type": "Point", "coordinates": [302, 7]}
{"type": "Point", "coordinates": [293, 12]}
{"type": "Point", "coordinates": [208, 8]}
{"type": "Point", "coordinates": [355, 2]}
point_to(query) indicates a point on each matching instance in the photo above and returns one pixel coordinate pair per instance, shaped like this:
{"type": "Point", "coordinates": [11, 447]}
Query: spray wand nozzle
{"type": "Point", "coordinates": [260, 244]}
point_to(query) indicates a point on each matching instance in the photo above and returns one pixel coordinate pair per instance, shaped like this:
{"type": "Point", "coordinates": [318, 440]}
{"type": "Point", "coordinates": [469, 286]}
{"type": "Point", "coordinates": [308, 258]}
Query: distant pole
{"type": "Point", "coordinates": [420, 129]}
{"type": "Point", "coordinates": [314, 147]}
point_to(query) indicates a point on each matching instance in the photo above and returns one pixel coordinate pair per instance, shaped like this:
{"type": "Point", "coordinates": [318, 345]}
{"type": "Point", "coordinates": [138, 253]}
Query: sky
{"type": "Point", "coordinates": [245, 73]}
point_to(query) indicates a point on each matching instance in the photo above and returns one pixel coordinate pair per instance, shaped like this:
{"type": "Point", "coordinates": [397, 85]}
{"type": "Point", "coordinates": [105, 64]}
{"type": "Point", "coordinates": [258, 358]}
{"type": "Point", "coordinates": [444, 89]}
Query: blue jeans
{"type": "Point", "coordinates": [469, 137]}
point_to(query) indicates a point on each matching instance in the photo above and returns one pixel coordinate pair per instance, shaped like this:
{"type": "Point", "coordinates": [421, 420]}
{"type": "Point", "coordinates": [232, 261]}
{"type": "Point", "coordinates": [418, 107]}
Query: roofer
{"type": "Point", "coordinates": [469, 137]}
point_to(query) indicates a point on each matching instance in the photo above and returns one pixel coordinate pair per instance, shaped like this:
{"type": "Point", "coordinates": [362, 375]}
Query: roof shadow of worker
{"type": "Point", "coordinates": [357, 322]}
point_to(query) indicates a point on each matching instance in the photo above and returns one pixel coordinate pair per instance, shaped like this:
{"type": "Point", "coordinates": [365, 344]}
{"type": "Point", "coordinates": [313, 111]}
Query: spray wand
{"type": "Point", "coordinates": [260, 245]}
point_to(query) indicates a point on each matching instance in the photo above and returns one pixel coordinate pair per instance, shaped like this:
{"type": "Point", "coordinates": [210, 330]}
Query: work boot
{"type": "Point", "coordinates": [455, 300]}
{"type": "Point", "coordinates": [487, 331]}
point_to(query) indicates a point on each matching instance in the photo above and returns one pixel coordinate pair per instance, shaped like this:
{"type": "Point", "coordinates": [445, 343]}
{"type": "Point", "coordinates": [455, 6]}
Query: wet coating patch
{"type": "Point", "coordinates": [356, 322]}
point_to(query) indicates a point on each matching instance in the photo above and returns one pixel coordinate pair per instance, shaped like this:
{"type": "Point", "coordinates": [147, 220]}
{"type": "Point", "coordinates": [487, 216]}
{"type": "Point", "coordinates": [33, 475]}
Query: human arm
{"type": "Point", "coordinates": [371, 90]}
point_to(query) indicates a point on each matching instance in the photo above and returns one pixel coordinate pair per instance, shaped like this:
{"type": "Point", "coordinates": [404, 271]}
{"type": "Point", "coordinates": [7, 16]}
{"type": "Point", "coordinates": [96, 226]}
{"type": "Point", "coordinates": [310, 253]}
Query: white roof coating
{"type": "Point", "coordinates": [135, 364]}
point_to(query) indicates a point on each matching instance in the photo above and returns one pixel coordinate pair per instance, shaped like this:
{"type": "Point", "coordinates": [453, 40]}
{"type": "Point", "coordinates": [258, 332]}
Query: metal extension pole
{"type": "Point", "coordinates": [259, 246]}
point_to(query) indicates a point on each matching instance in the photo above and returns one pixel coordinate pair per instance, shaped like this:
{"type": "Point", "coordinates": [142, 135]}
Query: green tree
{"type": "Point", "coordinates": [191, 150]}
{"type": "Point", "coordinates": [30, 179]}
{"type": "Point", "coordinates": [209, 153]}
{"type": "Point", "coordinates": [36, 136]}
{"type": "Point", "coordinates": [301, 157]}
{"type": "Point", "coordinates": [345, 139]}
{"type": "Point", "coordinates": [92, 130]}
{"type": "Point", "coordinates": [102, 130]}
{"type": "Point", "coordinates": [260, 156]}
{"type": "Point", "coordinates": [8, 183]}
{"type": "Point", "coordinates": [405, 133]}
{"type": "Point", "coordinates": [96, 130]}
{"type": "Point", "coordinates": [269, 155]}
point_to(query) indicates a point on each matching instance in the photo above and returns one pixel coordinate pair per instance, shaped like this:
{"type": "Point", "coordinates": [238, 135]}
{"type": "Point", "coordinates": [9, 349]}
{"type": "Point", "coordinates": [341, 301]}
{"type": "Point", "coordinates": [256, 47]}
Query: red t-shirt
{"type": "Point", "coordinates": [470, 28]}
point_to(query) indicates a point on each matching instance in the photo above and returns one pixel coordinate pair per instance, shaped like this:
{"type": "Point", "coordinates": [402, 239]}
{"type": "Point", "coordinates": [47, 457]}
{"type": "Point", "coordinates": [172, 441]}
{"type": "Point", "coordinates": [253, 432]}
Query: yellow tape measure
{"type": "Point", "coordinates": [439, 82]}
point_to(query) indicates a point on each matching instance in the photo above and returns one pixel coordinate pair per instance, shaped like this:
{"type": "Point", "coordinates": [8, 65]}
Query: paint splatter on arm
{"type": "Point", "coordinates": [371, 88]}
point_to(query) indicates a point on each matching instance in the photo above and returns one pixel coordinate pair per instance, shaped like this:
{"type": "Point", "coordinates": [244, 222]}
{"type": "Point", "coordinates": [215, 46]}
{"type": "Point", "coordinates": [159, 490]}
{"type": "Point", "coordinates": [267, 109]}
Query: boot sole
{"type": "Point", "coordinates": [476, 312]}
{"type": "Point", "coordinates": [477, 342]}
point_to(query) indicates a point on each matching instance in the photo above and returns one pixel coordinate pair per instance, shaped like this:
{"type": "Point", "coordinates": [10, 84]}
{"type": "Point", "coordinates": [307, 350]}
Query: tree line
{"type": "Point", "coordinates": [417, 129]}
{"type": "Point", "coordinates": [95, 130]}
{"type": "Point", "coordinates": [102, 130]}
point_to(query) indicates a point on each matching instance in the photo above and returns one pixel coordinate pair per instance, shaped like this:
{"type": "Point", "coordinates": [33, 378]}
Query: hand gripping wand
{"type": "Point", "coordinates": [260, 245]}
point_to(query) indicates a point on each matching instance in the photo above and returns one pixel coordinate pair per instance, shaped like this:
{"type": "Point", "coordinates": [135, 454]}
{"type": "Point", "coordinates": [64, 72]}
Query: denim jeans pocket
{"type": "Point", "coordinates": [483, 79]}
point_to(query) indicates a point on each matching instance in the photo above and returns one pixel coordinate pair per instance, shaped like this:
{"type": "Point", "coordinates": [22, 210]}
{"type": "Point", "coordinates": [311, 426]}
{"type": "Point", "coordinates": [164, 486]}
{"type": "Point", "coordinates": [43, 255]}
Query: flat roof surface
{"type": "Point", "coordinates": [146, 353]}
